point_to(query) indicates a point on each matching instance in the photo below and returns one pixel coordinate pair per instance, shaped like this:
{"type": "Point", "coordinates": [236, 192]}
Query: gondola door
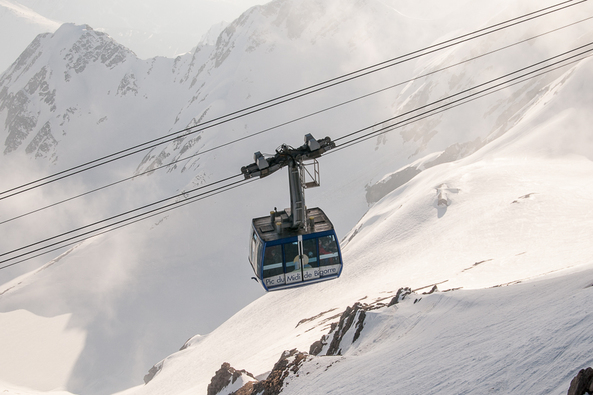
{"type": "Point", "coordinates": [302, 263]}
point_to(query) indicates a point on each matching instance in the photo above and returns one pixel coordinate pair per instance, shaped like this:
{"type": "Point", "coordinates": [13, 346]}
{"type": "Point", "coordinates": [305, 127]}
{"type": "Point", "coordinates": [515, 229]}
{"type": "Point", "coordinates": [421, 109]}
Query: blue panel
{"type": "Point", "coordinates": [322, 260]}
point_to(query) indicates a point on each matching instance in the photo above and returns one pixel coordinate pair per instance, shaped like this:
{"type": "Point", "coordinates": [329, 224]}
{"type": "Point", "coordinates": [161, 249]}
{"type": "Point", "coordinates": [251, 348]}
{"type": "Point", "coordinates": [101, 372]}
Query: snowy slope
{"type": "Point", "coordinates": [10, 389]}
{"type": "Point", "coordinates": [35, 351]}
{"type": "Point", "coordinates": [136, 295]}
{"type": "Point", "coordinates": [72, 95]}
{"type": "Point", "coordinates": [520, 213]}
{"type": "Point", "coordinates": [509, 340]}
{"type": "Point", "coordinates": [57, 94]}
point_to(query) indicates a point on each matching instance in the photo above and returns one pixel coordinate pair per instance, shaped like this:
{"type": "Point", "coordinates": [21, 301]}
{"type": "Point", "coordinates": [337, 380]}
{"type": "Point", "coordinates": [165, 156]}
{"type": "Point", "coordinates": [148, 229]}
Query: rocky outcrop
{"type": "Point", "coordinates": [352, 318]}
{"type": "Point", "coordinates": [93, 47]}
{"type": "Point", "coordinates": [154, 370]}
{"type": "Point", "coordinates": [331, 344]}
{"type": "Point", "coordinates": [401, 295]}
{"type": "Point", "coordinates": [224, 377]}
{"type": "Point", "coordinates": [348, 330]}
{"type": "Point", "coordinates": [342, 335]}
{"type": "Point", "coordinates": [288, 364]}
{"type": "Point", "coordinates": [378, 191]}
{"type": "Point", "coordinates": [582, 383]}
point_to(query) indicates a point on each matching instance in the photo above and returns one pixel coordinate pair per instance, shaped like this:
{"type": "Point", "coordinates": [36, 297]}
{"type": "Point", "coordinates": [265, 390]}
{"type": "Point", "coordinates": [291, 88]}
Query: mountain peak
{"type": "Point", "coordinates": [31, 88]}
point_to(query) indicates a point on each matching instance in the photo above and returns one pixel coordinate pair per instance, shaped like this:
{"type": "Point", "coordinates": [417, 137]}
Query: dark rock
{"type": "Point", "coordinates": [289, 362]}
{"type": "Point", "coordinates": [223, 377]}
{"type": "Point", "coordinates": [275, 381]}
{"type": "Point", "coordinates": [354, 315]}
{"type": "Point", "coordinates": [43, 143]}
{"type": "Point", "coordinates": [383, 188]}
{"type": "Point", "coordinates": [247, 389]}
{"type": "Point", "coordinates": [359, 325]}
{"type": "Point", "coordinates": [316, 347]}
{"type": "Point", "coordinates": [153, 372]}
{"type": "Point", "coordinates": [582, 383]}
{"type": "Point", "coordinates": [343, 326]}
{"type": "Point", "coordinates": [433, 290]}
{"type": "Point", "coordinates": [400, 295]}
{"type": "Point", "coordinates": [353, 318]}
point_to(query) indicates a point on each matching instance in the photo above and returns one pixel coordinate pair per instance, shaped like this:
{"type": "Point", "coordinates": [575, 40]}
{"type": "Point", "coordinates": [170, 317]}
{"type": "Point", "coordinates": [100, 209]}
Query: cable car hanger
{"type": "Point", "coordinates": [295, 159]}
{"type": "Point", "coordinates": [296, 246]}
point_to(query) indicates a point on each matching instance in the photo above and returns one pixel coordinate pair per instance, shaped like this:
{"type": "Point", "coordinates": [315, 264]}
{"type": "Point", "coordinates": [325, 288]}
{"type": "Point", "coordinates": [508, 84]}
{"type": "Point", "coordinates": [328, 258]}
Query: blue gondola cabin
{"type": "Point", "coordinates": [284, 257]}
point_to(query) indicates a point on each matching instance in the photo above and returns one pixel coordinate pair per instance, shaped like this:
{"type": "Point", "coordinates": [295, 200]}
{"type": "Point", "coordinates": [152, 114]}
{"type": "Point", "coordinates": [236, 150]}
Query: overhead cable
{"type": "Point", "coordinates": [151, 170]}
{"type": "Point", "coordinates": [461, 101]}
{"type": "Point", "coordinates": [186, 193]}
{"type": "Point", "coordinates": [286, 98]}
{"type": "Point", "coordinates": [572, 51]}
{"type": "Point", "coordinates": [574, 56]}
{"type": "Point", "coordinates": [56, 246]}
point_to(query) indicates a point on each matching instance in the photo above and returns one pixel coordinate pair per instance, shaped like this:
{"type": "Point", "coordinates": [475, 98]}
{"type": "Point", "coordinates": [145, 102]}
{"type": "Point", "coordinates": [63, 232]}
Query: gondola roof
{"type": "Point", "coordinates": [267, 231]}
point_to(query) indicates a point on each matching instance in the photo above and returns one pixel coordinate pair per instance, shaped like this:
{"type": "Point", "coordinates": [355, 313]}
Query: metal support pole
{"type": "Point", "coordinates": [297, 195]}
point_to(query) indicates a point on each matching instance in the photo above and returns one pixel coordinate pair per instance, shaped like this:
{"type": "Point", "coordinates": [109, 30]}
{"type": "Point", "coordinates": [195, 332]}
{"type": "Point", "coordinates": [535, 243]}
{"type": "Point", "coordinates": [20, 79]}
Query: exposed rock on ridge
{"type": "Point", "coordinates": [341, 336]}
{"type": "Point", "coordinates": [582, 383]}
{"type": "Point", "coordinates": [289, 363]}
{"type": "Point", "coordinates": [224, 377]}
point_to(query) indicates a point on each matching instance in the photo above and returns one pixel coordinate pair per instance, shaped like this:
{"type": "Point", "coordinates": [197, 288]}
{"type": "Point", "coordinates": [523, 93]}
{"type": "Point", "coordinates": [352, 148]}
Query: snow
{"type": "Point", "coordinates": [513, 221]}
{"type": "Point", "coordinates": [525, 338]}
{"type": "Point", "coordinates": [149, 28]}
{"type": "Point", "coordinates": [24, 343]}
{"type": "Point", "coordinates": [210, 37]}
{"type": "Point", "coordinates": [518, 216]}
{"type": "Point", "coordinates": [10, 389]}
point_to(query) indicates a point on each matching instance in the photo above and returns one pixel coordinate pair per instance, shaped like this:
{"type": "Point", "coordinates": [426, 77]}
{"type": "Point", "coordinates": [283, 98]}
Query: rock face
{"type": "Point", "coordinates": [352, 318]}
{"type": "Point", "coordinates": [224, 377]}
{"type": "Point", "coordinates": [78, 83]}
{"type": "Point", "coordinates": [582, 383]}
{"type": "Point", "coordinates": [289, 363]}
{"type": "Point", "coordinates": [401, 295]}
{"type": "Point", "coordinates": [154, 370]}
{"type": "Point", "coordinates": [348, 330]}
{"type": "Point", "coordinates": [34, 90]}
{"type": "Point", "coordinates": [342, 335]}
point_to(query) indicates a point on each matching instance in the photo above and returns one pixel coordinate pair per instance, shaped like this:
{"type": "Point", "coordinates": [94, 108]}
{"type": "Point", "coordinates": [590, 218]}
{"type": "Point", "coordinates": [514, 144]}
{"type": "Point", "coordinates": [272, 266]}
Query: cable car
{"type": "Point", "coordinates": [296, 246]}
{"type": "Point", "coordinates": [294, 257]}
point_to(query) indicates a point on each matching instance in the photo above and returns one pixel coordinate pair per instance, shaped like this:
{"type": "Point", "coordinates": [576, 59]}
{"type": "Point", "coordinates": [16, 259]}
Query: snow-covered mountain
{"type": "Point", "coordinates": [101, 314]}
{"type": "Point", "coordinates": [149, 28]}
{"type": "Point", "coordinates": [511, 242]}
